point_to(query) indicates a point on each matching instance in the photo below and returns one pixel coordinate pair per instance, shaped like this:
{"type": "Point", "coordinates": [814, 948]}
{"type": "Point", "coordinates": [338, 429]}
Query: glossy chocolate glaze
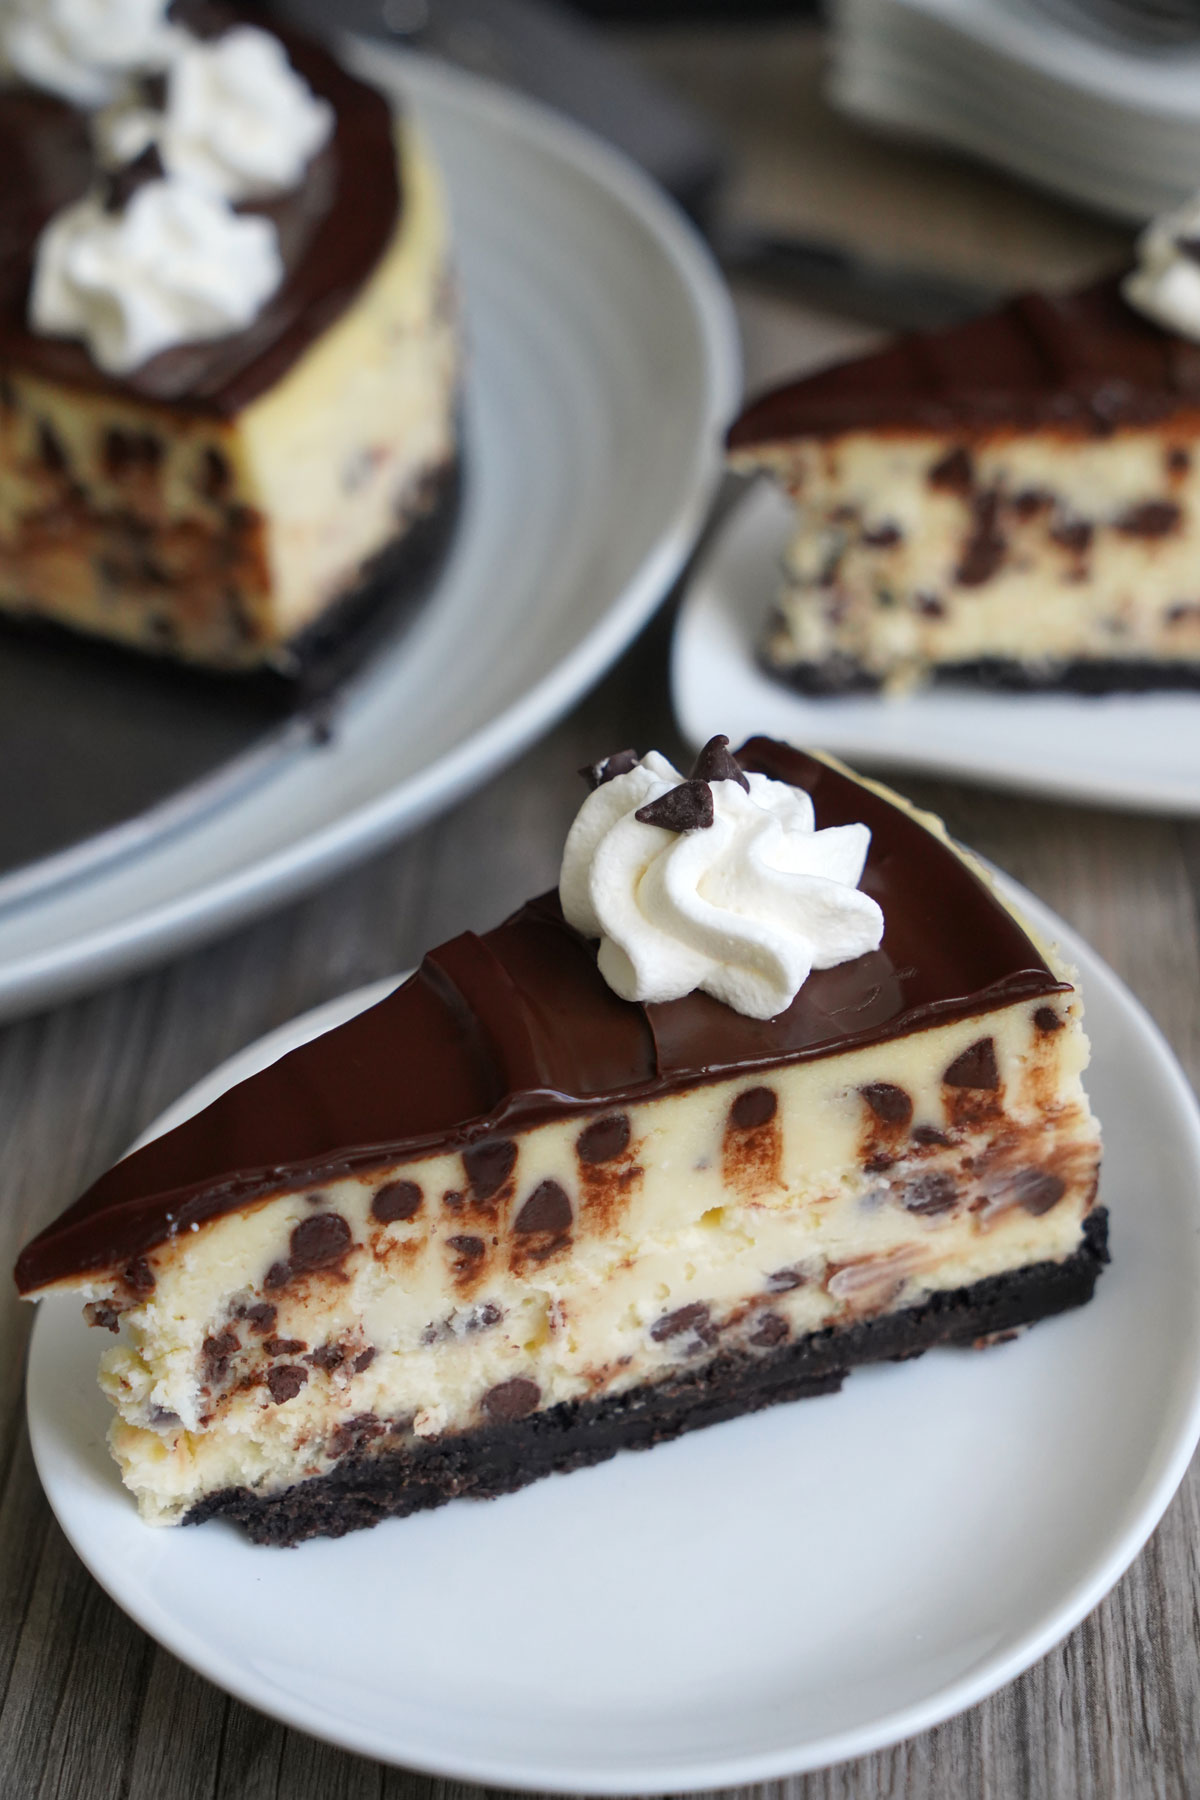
{"type": "Point", "coordinates": [497, 1033]}
{"type": "Point", "coordinates": [1080, 363]}
{"type": "Point", "coordinates": [333, 230]}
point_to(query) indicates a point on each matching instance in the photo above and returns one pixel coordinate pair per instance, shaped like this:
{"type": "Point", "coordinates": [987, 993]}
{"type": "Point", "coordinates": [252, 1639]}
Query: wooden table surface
{"type": "Point", "coordinates": [94, 1710]}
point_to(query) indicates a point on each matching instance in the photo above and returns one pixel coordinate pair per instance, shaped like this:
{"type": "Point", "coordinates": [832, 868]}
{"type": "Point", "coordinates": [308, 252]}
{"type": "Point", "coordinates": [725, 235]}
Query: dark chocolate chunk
{"type": "Point", "coordinates": [882, 537]}
{"type": "Point", "coordinates": [286, 1381]}
{"type": "Point", "coordinates": [688, 807]}
{"type": "Point", "coordinates": [716, 762]}
{"type": "Point", "coordinates": [396, 1200]}
{"type": "Point", "coordinates": [1152, 519]}
{"type": "Point", "coordinates": [329, 1357]}
{"type": "Point", "coordinates": [1037, 1190]}
{"type": "Point", "coordinates": [694, 1318]}
{"type": "Point", "coordinates": [138, 1276]}
{"type": "Point", "coordinates": [318, 1242]}
{"type": "Point", "coordinates": [603, 1139]}
{"type": "Point", "coordinates": [277, 1346]}
{"type": "Point", "coordinates": [619, 763]}
{"type": "Point", "coordinates": [547, 1209]}
{"type": "Point", "coordinates": [929, 1134]}
{"type": "Point", "coordinates": [930, 1194]}
{"type": "Point", "coordinates": [364, 1359]}
{"type": "Point", "coordinates": [753, 1107]}
{"type": "Point", "coordinates": [118, 186]}
{"type": "Point", "coordinates": [975, 1068]}
{"type": "Point", "coordinates": [986, 548]}
{"type": "Point", "coordinates": [1073, 534]}
{"type": "Point", "coordinates": [892, 1104]}
{"type": "Point", "coordinates": [1047, 1020]}
{"type": "Point", "coordinates": [782, 1281]}
{"type": "Point", "coordinates": [511, 1400]}
{"type": "Point", "coordinates": [489, 1165]}
{"type": "Point", "coordinates": [954, 472]}
{"type": "Point", "coordinates": [772, 1328]}
{"type": "Point", "coordinates": [467, 1251]}
{"type": "Point", "coordinates": [217, 1353]}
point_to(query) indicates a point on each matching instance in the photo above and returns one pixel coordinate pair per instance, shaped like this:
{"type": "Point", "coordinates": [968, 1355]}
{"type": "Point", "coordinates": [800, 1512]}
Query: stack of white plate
{"type": "Point", "coordinates": [1059, 93]}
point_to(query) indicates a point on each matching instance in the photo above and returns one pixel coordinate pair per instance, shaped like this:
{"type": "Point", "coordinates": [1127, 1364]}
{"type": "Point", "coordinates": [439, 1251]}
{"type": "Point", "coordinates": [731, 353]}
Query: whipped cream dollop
{"type": "Point", "coordinates": [719, 881]}
{"type": "Point", "coordinates": [82, 49]}
{"type": "Point", "coordinates": [1165, 285]}
{"type": "Point", "coordinates": [237, 119]}
{"type": "Point", "coordinates": [171, 265]}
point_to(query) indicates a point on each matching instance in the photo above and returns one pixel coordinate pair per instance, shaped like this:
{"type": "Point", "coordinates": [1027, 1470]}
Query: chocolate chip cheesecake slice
{"type": "Point", "coordinates": [510, 1221]}
{"type": "Point", "coordinates": [228, 494]}
{"type": "Point", "coordinates": [1014, 502]}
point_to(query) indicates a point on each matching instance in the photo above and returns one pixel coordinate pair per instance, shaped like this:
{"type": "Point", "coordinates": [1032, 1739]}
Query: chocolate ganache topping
{"type": "Point", "coordinates": [333, 229]}
{"type": "Point", "coordinates": [1082, 363]}
{"type": "Point", "coordinates": [499, 1032]}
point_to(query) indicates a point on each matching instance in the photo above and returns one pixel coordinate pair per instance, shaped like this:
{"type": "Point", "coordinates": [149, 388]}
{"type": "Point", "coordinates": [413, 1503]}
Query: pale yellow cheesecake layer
{"type": "Point", "coordinates": [218, 541]}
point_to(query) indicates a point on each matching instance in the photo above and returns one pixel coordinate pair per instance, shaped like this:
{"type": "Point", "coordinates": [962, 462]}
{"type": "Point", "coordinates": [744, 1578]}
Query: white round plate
{"type": "Point", "coordinates": [762, 1597]}
{"type": "Point", "coordinates": [603, 368]}
{"type": "Point", "coordinates": [1133, 750]}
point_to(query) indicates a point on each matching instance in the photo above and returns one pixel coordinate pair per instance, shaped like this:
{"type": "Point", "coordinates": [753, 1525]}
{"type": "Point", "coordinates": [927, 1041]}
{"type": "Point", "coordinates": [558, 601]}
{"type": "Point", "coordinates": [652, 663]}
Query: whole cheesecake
{"type": "Point", "coordinates": [508, 1222]}
{"type": "Point", "coordinates": [229, 501]}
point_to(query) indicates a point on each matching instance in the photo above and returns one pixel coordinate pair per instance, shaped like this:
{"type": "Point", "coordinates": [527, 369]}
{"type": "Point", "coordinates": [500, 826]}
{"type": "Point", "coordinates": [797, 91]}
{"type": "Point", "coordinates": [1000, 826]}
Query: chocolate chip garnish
{"type": "Point", "coordinates": [753, 1107]}
{"type": "Point", "coordinates": [892, 1104]}
{"type": "Point", "coordinates": [716, 762]}
{"type": "Point", "coordinates": [364, 1359]}
{"type": "Point", "coordinates": [929, 1195]}
{"type": "Point", "coordinates": [694, 1317]}
{"type": "Point", "coordinates": [772, 1328]}
{"type": "Point", "coordinates": [688, 807]}
{"type": "Point", "coordinates": [1152, 519]}
{"type": "Point", "coordinates": [489, 1165]}
{"type": "Point", "coordinates": [603, 1139]}
{"type": "Point", "coordinates": [118, 186]}
{"type": "Point", "coordinates": [975, 1068]}
{"type": "Point", "coordinates": [467, 1250]}
{"type": "Point", "coordinates": [286, 1381]}
{"type": "Point", "coordinates": [1047, 1020]}
{"type": "Point", "coordinates": [217, 1353]}
{"type": "Point", "coordinates": [278, 1346]}
{"type": "Point", "coordinates": [619, 763]}
{"type": "Point", "coordinates": [954, 473]}
{"type": "Point", "coordinates": [139, 1276]}
{"type": "Point", "coordinates": [396, 1200]}
{"type": "Point", "coordinates": [317, 1242]}
{"type": "Point", "coordinates": [1037, 1190]}
{"type": "Point", "coordinates": [511, 1400]}
{"type": "Point", "coordinates": [329, 1357]}
{"type": "Point", "coordinates": [547, 1209]}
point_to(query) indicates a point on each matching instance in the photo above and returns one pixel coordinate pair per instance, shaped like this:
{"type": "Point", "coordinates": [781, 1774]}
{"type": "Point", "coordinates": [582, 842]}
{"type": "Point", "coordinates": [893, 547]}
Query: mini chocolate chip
{"type": "Point", "coordinates": [1073, 534]}
{"type": "Point", "coordinates": [1178, 460]}
{"type": "Point", "coordinates": [467, 1250]}
{"type": "Point", "coordinates": [483, 1316]}
{"type": "Point", "coordinates": [50, 448]}
{"type": "Point", "coordinates": [217, 1353]}
{"type": "Point", "coordinates": [892, 1104]}
{"type": "Point", "coordinates": [1037, 1190]}
{"type": "Point", "coordinates": [930, 607]}
{"type": "Point", "coordinates": [286, 1381]}
{"type": "Point", "coordinates": [694, 1317]}
{"type": "Point", "coordinates": [929, 1134]}
{"type": "Point", "coordinates": [118, 186]}
{"type": "Point", "coordinates": [489, 1165]}
{"type": "Point", "coordinates": [453, 1200]}
{"type": "Point", "coordinates": [364, 1359]}
{"type": "Point", "coordinates": [772, 1329]}
{"type": "Point", "coordinates": [782, 1281]}
{"type": "Point", "coordinates": [753, 1107]}
{"type": "Point", "coordinates": [1047, 1020]}
{"type": "Point", "coordinates": [986, 548]}
{"type": "Point", "coordinates": [139, 1276]}
{"type": "Point", "coordinates": [396, 1200]}
{"type": "Point", "coordinates": [954, 472]}
{"type": "Point", "coordinates": [329, 1357]}
{"type": "Point", "coordinates": [547, 1209]}
{"type": "Point", "coordinates": [318, 1242]}
{"type": "Point", "coordinates": [603, 1139]}
{"type": "Point", "coordinates": [688, 807]}
{"type": "Point", "coordinates": [216, 476]}
{"type": "Point", "coordinates": [879, 1162]}
{"type": "Point", "coordinates": [1031, 501]}
{"type": "Point", "coordinates": [277, 1346]}
{"type": "Point", "coordinates": [882, 537]}
{"type": "Point", "coordinates": [127, 450]}
{"type": "Point", "coordinates": [975, 1068]}
{"type": "Point", "coordinates": [716, 762]}
{"type": "Point", "coordinates": [511, 1400]}
{"type": "Point", "coordinates": [277, 1276]}
{"type": "Point", "coordinates": [260, 1317]}
{"type": "Point", "coordinates": [929, 1195]}
{"type": "Point", "coordinates": [355, 1433]}
{"type": "Point", "coordinates": [619, 763]}
{"type": "Point", "coordinates": [1152, 519]}
{"type": "Point", "coordinates": [99, 1312]}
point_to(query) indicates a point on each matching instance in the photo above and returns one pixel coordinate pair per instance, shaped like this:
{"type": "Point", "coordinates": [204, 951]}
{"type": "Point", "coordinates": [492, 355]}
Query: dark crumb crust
{"type": "Point", "coordinates": [500, 1457]}
{"type": "Point", "coordinates": [841, 675]}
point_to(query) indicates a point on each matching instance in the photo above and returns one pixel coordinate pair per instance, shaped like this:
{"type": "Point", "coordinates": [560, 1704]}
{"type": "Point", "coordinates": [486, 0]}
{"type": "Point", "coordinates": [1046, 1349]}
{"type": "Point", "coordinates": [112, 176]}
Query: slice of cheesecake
{"type": "Point", "coordinates": [507, 1222]}
{"type": "Point", "coordinates": [1014, 502]}
{"type": "Point", "coordinates": [233, 502]}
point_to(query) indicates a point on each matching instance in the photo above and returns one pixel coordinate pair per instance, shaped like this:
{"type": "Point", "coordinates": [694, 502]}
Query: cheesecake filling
{"type": "Point", "coordinates": [1031, 553]}
{"type": "Point", "coordinates": [593, 1254]}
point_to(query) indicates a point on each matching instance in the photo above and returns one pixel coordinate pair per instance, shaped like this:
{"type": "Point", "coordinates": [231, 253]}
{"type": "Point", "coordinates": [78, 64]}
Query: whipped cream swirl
{"type": "Point", "coordinates": [1165, 285]}
{"type": "Point", "coordinates": [175, 264]}
{"type": "Point", "coordinates": [741, 896]}
{"type": "Point", "coordinates": [81, 49]}
{"type": "Point", "coordinates": [237, 120]}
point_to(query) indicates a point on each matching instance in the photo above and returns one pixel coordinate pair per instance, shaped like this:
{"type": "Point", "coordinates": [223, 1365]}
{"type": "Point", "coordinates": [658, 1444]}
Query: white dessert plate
{"type": "Point", "coordinates": [603, 367]}
{"type": "Point", "coordinates": [763, 1597]}
{"type": "Point", "coordinates": [1140, 751]}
